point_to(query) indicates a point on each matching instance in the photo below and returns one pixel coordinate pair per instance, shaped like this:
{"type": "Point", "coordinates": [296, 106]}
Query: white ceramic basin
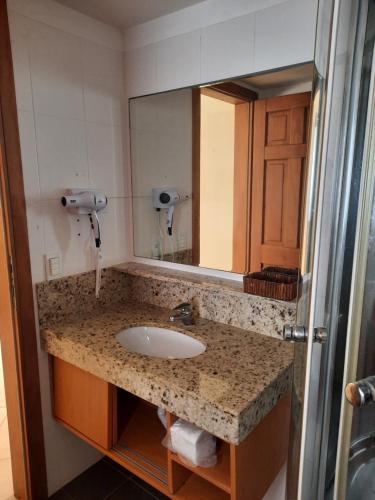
{"type": "Point", "coordinates": [160, 342]}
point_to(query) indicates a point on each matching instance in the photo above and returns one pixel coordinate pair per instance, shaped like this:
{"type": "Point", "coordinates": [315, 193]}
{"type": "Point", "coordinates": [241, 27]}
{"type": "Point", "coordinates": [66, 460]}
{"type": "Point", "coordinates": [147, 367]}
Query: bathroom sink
{"type": "Point", "coordinates": [160, 342]}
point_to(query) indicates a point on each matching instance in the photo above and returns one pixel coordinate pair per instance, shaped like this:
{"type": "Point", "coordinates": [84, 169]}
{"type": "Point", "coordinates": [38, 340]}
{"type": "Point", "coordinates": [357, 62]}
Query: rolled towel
{"type": "Point", "coordinates": [193, 444]}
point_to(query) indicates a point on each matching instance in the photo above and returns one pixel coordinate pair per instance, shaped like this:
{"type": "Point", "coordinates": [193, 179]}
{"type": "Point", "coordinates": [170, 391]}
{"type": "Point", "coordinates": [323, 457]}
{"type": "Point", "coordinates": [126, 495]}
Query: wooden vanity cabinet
{"type": "Point", "coordinates": [128, 430]}
{"type": "Point", "coordinates": [83, 402]}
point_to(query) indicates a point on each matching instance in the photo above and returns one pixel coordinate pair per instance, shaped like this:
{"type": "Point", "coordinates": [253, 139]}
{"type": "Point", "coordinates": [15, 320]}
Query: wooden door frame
{"type": "Point", "coordinates": [19, 346]}
{"type": "Point", "coordinates": [196, 174]}
{"type": "Point", "coordinates": [239, 96]}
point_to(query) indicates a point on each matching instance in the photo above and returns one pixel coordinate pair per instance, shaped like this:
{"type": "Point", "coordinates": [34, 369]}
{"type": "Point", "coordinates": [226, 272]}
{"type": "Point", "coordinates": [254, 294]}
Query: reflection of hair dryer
{"type": "Point", "coordinates": [167, 198]}
{"type": "Point", "coordinates": [170, 219]}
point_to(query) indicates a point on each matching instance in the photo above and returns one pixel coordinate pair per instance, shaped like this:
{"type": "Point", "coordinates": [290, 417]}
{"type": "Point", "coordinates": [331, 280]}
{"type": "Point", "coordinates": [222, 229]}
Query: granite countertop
{"type": "Point", "coordinates": [227, 390]}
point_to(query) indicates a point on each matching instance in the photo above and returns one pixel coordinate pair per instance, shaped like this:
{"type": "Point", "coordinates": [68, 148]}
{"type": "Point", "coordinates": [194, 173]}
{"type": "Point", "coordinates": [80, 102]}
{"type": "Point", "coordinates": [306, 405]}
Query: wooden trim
{"type": "Point", "coordinates": [22, 375]}
{"type": "Point", "coordinates": [258, 459]}
{"type": "Point", "coordinates": [279, 103]}
{"type": "Point", "coordinates": [257, 184]}
{"type": "Point", "coordinates": [282, 152]}
{"type": "Point", "coordinates": [243, 99]}
{"type": "Point", "coordinates": [241, 188]}
{"type": "Point", "coordinates": [116, 457]}
{"type": "Point", "coordinates": [10, 367]}
{"type": "Point", "coordinates": [285, 257]}
{"type": "Point", "coordinates": [234, 92]}
{"type": "Point", "coordinates": [196, 178]}
{"type": "Point", "coordinates": [83, 401]}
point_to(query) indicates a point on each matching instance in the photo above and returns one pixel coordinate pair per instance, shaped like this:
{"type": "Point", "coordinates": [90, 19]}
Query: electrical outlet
{"type": "Point", "coordinates": [53, 265]}
{"type": "Point", "coordinates": [181, 242]}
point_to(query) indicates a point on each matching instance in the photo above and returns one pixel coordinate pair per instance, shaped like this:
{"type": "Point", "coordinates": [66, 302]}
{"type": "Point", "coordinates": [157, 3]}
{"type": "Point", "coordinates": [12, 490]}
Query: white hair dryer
{"type": "Point", "coordinates": [89, 203]}
{"type": "Point", "coordinates": [167, 198]}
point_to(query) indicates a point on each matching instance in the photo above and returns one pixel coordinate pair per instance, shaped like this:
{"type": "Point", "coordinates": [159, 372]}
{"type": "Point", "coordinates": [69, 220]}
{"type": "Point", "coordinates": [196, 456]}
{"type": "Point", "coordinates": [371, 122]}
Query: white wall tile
{"type": "Point", "coordinates": [114, 231]}
{"type": "Point", "coordinates": [200, 15]}
{"type": "Point", "coordinates": [68, 234]}
{"type": "Point", "coordinates": [140, 71]}
{"type": "Point", "coordinates": [68, 20]}
{"type": "Point", "coordinates": [26, 127]}
{"type": "Point", "coordinates": [103, 83]}
{"type": "Point", "coordinates": [21, 68]}
{"type": "Point", "coordinates": [106, 164]}
{"type": "Point", "coordinates": [62, 155]}
{"type": "Point", "coordinates": [19, 25]}
{"type": "Point", "coordinates": [285, 34]}
{"type": "Point", "coordinates": [36, 242]}
{"type": "Point", "coordinates": [228, 49]}
{"type": "Point", "coordinates": [182, 53]}
{"type": "Point", "coordinates": [101, 106]}
{"type": "Point", "coordinates": [56, 72]}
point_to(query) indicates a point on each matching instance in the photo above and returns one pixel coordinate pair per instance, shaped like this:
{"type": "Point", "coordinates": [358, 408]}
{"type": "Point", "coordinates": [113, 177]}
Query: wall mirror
{"type": "Point", "coordinates": [218, 171]}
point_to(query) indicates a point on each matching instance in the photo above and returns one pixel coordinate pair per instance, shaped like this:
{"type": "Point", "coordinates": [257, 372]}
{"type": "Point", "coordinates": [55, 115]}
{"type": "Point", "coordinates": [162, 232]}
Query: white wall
{"type": "Point", "coordinates": [69, 89]}
{"type": "Point", "coordinates": [217, 39]}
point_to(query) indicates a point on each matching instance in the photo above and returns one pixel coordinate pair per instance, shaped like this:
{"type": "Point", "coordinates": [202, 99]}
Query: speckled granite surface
{"type": "Point", "coordinates": [227, 390]}
{"type": "Point", "coordinates": [216, 299]}
{"type": "Point", "coordinates": [61, 298]}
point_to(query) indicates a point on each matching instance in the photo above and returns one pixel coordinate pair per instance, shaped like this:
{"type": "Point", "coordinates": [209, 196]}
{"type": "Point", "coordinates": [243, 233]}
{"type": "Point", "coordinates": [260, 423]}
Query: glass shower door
{"type": "Point", "coordinates": [355, 466]}
{"type": "Point", "coordinates": [341, 97]}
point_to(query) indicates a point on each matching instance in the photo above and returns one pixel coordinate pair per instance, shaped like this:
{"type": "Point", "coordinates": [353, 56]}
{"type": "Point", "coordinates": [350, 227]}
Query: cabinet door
{"type": "Point", "coordinates": [279, 157]}
{"type": "Point", "coordinates": [83, 402]}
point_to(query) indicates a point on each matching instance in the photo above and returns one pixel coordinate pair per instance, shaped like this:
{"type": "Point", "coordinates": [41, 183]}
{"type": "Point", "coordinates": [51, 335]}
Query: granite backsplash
{"type": "Point", "coordinates": [213, 298]}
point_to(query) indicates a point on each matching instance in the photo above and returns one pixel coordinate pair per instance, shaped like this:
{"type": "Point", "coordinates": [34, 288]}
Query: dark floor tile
{"type": "Point", "coordinates": [136, 479]}
{"type": "Point", "coordinates": [60, 495]}
{"type": "Point", "coordinates": [117, 466]}
{"type": "Point", "coordinates": [151, 490]}
{"type": "Point", "coordinates": [95, 483]}
{"type": "Point", "coordinates": [133, 491]}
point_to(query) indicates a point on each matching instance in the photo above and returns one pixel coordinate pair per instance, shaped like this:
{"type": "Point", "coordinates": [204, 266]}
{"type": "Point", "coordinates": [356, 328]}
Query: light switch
{"type": "Point", "coordinates": [53, 266]}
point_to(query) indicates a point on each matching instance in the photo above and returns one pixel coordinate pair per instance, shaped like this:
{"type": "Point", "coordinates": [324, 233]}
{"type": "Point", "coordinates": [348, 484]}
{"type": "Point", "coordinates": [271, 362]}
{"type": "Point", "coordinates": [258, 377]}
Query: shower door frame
{"type": "Point", "coordinates": [338, 61]}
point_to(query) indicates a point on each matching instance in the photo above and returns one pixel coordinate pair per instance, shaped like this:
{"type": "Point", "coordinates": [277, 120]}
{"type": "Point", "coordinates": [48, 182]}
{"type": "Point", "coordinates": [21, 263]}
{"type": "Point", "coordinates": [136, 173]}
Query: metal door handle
{"type": "Point", "coordinates": [361, 393]}
{"type": "Point", "coordinates": [292, 333]}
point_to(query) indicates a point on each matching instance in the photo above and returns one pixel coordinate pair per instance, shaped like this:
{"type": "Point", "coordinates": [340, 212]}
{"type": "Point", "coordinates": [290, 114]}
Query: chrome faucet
{"type": "Point", "coordinates": [183, 312]}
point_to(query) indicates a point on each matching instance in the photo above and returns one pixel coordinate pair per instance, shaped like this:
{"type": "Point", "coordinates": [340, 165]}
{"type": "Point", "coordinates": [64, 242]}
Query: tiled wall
{"type": "Point", "coordinates": [70, 93]}
{"type": "Point", "coordinates": [69, 89]}
{"type": "Point", "coordinates": [218, 39]}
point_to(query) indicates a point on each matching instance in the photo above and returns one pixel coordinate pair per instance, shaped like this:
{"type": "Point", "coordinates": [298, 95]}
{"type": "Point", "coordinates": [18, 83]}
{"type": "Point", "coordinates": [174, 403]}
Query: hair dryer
{"type": "Point", "coordinates": [89, 203]}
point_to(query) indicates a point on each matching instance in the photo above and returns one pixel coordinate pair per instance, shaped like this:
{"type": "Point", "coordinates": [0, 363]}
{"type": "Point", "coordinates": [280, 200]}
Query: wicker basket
{"type": "Point", "coordinates": [281, 270]}
{"type": "Point", "coordinates": [274, 285]}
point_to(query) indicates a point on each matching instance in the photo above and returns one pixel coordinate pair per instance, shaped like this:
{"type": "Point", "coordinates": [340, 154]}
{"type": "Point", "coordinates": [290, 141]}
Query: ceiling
{"type": "Point", "coordinates": [127, 13]}
{"type": "Point", "coordinates": [281, 78]}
